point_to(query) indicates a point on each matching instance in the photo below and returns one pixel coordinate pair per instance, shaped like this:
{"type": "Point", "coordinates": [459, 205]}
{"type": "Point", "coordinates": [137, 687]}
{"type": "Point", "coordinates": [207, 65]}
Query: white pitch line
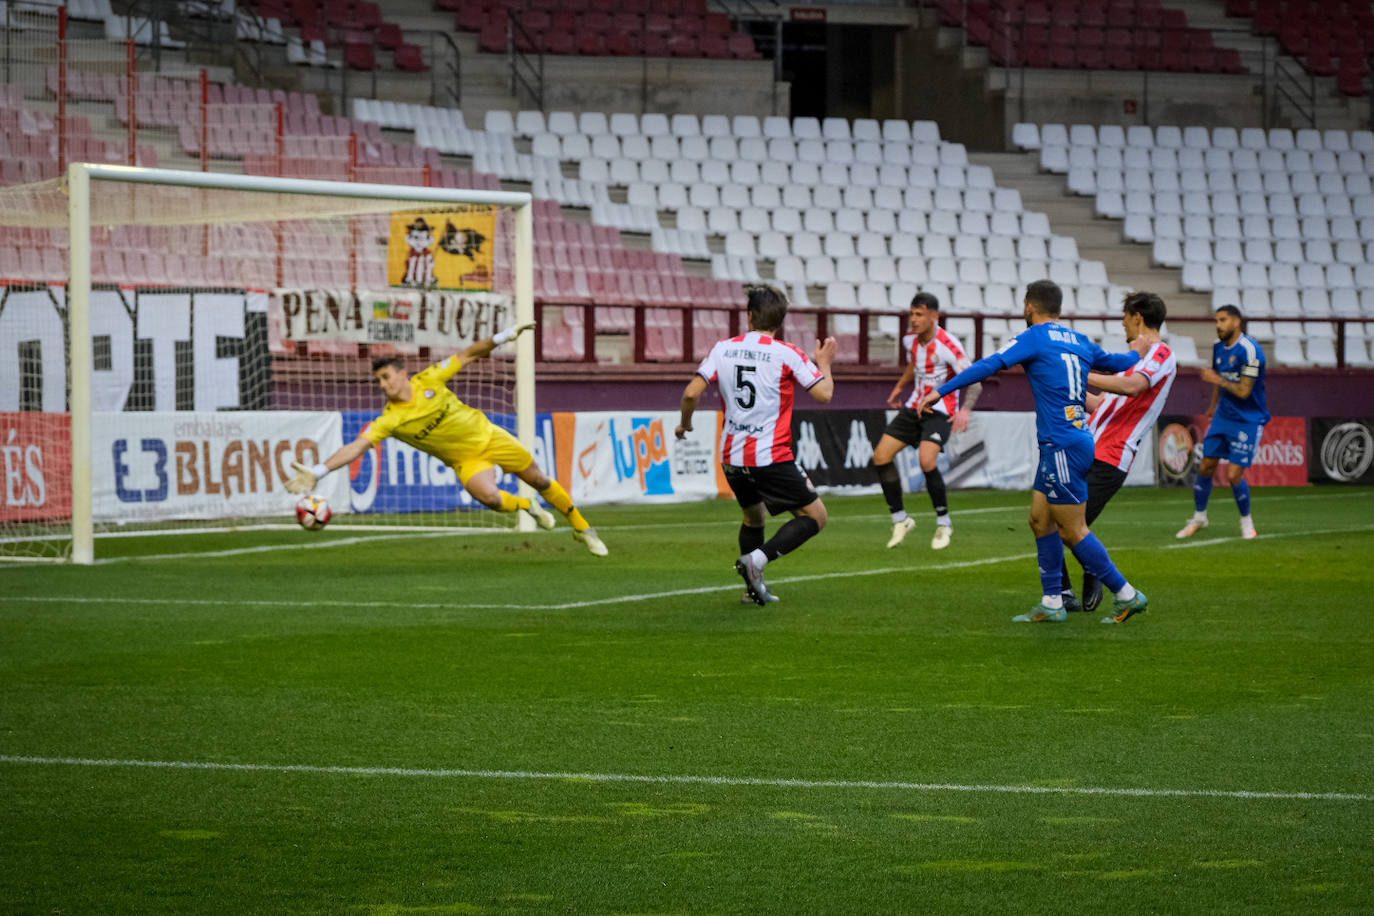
{"type": "Point", "coordinates": [566, 606]}
{"type": "Point", "coordinates": [763, 782]}
{"type": "Point", "coordinates": [1283, 534]}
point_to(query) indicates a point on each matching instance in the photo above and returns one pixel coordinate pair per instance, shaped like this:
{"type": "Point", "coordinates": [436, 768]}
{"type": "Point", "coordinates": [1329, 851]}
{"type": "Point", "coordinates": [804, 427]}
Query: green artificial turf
{"type": "Point", "coordinates": [501, 723]}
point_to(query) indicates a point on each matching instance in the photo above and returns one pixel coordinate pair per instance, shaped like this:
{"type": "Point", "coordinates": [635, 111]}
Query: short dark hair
{"type": "Point", "coordinates": [925, 300]}
{"type": "Point", "coordinates": [394, 362]}
{"type": "Point", "coordinates": [1231, 310]}
{"type": "Point", "coordinates": [767, 307]}
{"type": "Point", "coordinates": [1046, 296]}
{"type": "Point", "coordinates": [1148, 306]}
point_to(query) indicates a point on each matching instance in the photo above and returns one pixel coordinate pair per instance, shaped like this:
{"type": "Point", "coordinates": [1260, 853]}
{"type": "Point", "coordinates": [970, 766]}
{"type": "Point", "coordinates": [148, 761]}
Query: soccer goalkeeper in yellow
{"type": "Point", "coordinates": [422, 412]}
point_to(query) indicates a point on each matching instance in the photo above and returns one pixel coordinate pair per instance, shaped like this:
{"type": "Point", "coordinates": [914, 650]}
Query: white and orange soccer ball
{"type": "Point", "coordinates": [313, 512]}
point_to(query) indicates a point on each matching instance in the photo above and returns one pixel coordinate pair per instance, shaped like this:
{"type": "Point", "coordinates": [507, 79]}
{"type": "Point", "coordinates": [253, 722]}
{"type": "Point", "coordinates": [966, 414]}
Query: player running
{"type": "Point", "coordinates": [1238, 415]}
{"type": "Point", "coordinates": [422, 412]}
{"type": "Point", "coordinates": [936, 357]}
{"type": "Point", "coordinates": [1119, 418]}
{"type": "Point", "coordinates": [758, 375]}
{"type": "Point", "coordinates": [1057, 361]}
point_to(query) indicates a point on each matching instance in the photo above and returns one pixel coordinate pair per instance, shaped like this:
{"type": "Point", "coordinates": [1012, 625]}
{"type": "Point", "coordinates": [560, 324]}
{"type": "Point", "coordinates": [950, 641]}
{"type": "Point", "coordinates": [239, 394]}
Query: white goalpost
{"type": "Point", "coordinates": [211, 328]}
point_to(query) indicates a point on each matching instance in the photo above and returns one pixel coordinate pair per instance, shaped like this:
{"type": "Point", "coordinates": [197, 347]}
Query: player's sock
{"type": "Point", "coordinates": [1052, 601]}
{"type": "Point", "coordinates": [1202, 491]}
{"type": "Point", "coordinates": [750, 538]}
{"type": "Point", "coordinates": [1126, 593]}
{"type": "Point", "coordinates": [1065, 584]}
{"type": "Point", "coordinates": [560, 500]}
{"type": "Point", "coordinates": [1095, 559]}
{"type": "Point", "coordinates": [891, 482]}
{"type": "Point", "coordinates": [512, 503]}
{"type": "Point", "coordinates": [790, 536]}
{"type": "Point", "coordinates": [1049, 553]}
{"type": "Point", "coordinates": [935, 485]}
{"type": "Point", "coordinates": [1241, 491]}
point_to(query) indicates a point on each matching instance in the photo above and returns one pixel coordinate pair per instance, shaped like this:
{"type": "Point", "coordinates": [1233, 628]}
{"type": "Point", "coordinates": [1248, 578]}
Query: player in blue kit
{"type": "Point", "coordinates": [1057, 362]}
{"type": "Point", "coordinates": [1238, 415]}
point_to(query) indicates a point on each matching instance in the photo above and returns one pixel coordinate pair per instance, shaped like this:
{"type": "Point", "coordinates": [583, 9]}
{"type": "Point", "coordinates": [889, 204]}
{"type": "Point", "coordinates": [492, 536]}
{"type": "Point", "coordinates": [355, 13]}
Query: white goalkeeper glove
{"type": "Point", "coordinates": [510, 333]}
{"type": "Point", "coordinates": [306, 478]}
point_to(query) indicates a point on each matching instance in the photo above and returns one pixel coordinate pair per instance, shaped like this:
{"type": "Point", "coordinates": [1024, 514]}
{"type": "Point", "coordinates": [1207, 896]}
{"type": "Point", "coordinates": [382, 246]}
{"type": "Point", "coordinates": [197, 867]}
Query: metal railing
{"type": "Point", "coordinates": [863, 343]}
{"type": "Point", "coordinates": [526, 69]}
{"type": "Point", "coordinates": [446, 71]}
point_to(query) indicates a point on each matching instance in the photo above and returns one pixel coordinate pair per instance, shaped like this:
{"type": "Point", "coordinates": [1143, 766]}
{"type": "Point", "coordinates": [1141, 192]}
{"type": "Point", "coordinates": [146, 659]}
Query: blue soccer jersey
{"type": "Point", "coordinates": [1241, 360]}
{"type": "Point", "coordinates": [1057, 361]}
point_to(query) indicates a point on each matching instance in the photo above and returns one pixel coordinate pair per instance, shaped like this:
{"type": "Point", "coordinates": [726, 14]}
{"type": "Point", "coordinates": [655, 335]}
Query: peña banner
{"type": "Point", "coordinates": [446, 321]}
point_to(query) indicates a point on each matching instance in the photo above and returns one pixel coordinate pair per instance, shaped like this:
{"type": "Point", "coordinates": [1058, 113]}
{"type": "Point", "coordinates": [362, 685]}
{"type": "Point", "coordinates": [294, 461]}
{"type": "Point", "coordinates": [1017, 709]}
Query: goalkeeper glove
{"type": "Point", "coordinates": [306, 478]}
{"type": "Point", "coordinates": [510, 333]}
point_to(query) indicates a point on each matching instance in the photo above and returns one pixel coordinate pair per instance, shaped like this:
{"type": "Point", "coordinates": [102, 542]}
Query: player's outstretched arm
{"type": "Point", "coordinates": [307, 477]}
{"type": "Point", "coordinates": [824, 390]}
{"type": "Point", "coordinates": [690, 395]}
{"type": "Point", "coordinates": [1129, 385]}
{"type": "Point", "coordinates": [483, 348]}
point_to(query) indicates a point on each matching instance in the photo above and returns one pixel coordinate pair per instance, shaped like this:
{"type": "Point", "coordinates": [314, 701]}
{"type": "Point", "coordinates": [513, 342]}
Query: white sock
{"type": "Point", "coordinates": [1127, 592]}
{"type": "Point", "coordinates": [757, 556]}
{"type": "Point", "coordinates": [1053, 601]}
{"type": "Point", "coordinates": [899, 516]}
{"type": "Point", "coordinates": [1247, 522]}
{"type": "Point", "coordinates": [1200, 516]}
{"type": "Point", "coordinates": [943, 521]}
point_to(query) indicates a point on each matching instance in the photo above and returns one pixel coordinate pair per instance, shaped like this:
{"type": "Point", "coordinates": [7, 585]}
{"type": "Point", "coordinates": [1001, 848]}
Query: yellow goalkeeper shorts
{"type": "Point", "coordinates": [503, 450]}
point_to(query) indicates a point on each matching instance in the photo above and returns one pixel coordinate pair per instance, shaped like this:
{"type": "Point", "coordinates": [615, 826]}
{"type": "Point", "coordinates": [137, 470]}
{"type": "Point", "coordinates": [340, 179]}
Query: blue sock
{"type": "Point", "coordinates": [1241, 492]}
{"type": "Point", "coordinates": [1098, 562]}
{"type": "Point", "coordinates": [1202, 491]}
{"type": "Point", "coordinates": [1049, 553]}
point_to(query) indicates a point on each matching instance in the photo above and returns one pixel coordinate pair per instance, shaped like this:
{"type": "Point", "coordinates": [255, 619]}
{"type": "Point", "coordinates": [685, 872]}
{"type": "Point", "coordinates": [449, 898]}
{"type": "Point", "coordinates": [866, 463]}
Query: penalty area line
{"type": "Point", "coordinates": [669, 779]}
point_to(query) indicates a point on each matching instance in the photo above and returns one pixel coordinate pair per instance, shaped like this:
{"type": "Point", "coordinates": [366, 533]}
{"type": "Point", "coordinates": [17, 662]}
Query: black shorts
{"type": "Point", "coordinates": [912, 428]}
{"type": "Point", "coordinates": [780, 487]}
{"type": "Point", "coordinates": [1103, 481]}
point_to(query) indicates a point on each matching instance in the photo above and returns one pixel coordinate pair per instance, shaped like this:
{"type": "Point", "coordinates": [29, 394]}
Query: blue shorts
{"type": "Point", "coordinates": [1063, 473]}
{"type": "Point", "coordinates": [1238, 443]}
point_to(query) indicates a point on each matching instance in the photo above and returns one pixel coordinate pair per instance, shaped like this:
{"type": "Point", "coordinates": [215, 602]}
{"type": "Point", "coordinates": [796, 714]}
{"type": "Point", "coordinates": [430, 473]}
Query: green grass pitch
{"type": "Point", "coordinates": [501, 723]}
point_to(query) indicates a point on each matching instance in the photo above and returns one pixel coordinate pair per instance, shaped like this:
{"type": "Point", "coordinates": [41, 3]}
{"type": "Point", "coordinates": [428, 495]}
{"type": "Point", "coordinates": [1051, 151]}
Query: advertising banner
{"type": "Point", "coordinates": [633, 456]}
{"type": "Point", "coordinates": [151, 349]}
{"type": "Point", "coordinates": [998, 450]}
{"type": "Point", "coordinates": [1342, 450]}
{"type": "Point", "coordinates": [451, 250]}
{"type": "Point", "coordinates": [1280, 462]}
{"type": "Point", "coordinates": [153, 466]}
{"type": "Point", "coordinates": [35, 461]}
{"type": "Point", "coordinates": [397, 478]}
{"type": "Point", "coordinates": [447, 321]}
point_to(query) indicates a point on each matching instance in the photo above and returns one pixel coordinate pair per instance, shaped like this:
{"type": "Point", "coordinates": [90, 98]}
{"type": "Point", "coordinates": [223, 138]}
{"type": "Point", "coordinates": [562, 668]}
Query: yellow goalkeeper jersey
{"type": "Point", "coordinates": [434, 420]}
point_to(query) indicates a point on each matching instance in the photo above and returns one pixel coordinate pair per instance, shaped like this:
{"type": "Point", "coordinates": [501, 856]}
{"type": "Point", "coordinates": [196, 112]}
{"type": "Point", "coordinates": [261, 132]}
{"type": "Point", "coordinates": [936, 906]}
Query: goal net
{"type": "Point", "coordinates": [171, 341]}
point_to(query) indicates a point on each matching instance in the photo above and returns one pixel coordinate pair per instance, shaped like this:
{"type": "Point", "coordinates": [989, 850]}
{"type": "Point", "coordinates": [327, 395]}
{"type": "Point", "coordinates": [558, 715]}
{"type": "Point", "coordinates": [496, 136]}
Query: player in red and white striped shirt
{"type": "Point", "coordinates": [935, 357]}
{"type": "Point", "coordinates": [758, 375]}
{"type": "Point", "coordinates": [1126, 412]}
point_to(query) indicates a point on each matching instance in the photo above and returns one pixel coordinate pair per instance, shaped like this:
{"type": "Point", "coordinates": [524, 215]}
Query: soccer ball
{"type": "Point", "coordinates": [313, 512]}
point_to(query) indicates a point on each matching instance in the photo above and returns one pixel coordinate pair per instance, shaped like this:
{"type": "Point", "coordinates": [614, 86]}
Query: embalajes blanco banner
{"type": "Point", "coordinates": [445, 320]}
{"type": "Point", "coordinates": [155, 466]}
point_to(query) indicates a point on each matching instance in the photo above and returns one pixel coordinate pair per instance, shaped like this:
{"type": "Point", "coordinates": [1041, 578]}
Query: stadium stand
{"type": "Point", "coordinates": [1331, 39]}
{"type": "Point", "coordinates": [1088, 35]}
{"type": "Point", "coordinates": [1278, 222]}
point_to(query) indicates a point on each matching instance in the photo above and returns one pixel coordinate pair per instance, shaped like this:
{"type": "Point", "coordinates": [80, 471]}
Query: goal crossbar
{"type": "Point", "coordinates": [79, 178]}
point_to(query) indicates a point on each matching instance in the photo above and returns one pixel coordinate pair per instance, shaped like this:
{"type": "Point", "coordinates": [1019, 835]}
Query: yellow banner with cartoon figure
{"type": "Point", "coordinates": [442, 250]}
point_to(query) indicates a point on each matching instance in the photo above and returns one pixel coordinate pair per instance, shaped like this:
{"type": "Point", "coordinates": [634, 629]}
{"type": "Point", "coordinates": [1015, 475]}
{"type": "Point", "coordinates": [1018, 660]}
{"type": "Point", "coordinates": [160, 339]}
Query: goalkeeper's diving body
{"type": "Point", "coordinates": [422, 412]}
